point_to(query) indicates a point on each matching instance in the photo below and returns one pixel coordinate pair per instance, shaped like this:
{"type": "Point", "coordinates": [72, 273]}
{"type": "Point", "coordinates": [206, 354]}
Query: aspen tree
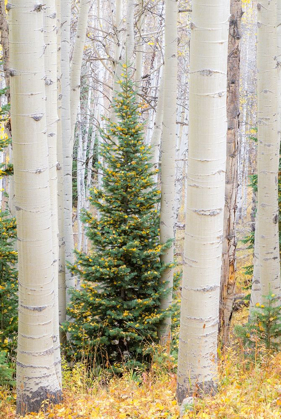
{"type": "Point", "coordinates": [50, 29]}
{"type": "Point", "coordinates": [36, 373]}
{"type": "Point", "coordinates": [158, 125]}
{"type": "Point", "coordinates": [5, 44]}
{"type": "Point", "coordinates": [61, 261]}
{"type": "Point", "coordinates": [268, 150]}
{"type": "Point", "coordinates": [197, 365]}
{"type": "Point", "coordinates": [77, 59]}
{"type": "Point", "coordinates": [233, 111]}
{"type": "Point", "coordinates": [168, 156]}
{"type": "Point", "coordinates": [67, 143]}
{"type": "Point", "coordinates": [130, 35]}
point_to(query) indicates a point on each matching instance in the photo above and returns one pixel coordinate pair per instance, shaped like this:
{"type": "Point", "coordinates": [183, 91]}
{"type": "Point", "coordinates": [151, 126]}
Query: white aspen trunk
{"type": "Point", "coordinates": [197, 364]}
{"type": "Point", "coordinates": [168, 158]}
{"type": "Point", "coordinates": [77, 60]}
{"type": "Point", "coordinates": [67, 143]}
{"type": "Point", "coordinates": [279, 65]}
{"type": "Point", "coordinates": [130, 35]}
{"type": "Point", "coordinates": [243, 138]}
{"type": "Point", "coordinates": [268, 150]}
{"type": "Point", "coordinates": [5, 45]}
{"type": "Point", "coordinates": [61, 267]}
{"type": "Point", "coordinates": [50, 28]}
{"type": "Point", "coordinates": [118, 45]}
{"type": "Point", "coordinates": [139, 52]}
{"type": "Point", "coordinates": [228, 272]}
{"type": "Point", "coordinates": [81, 192]}
{"type": "Point", "coordinates": [117, 69]}
{"type": "Point", "coordinates": [37, 379]}
{"type": "Point", "coordinates": [158, 124]}
{"type": "Point", "coordinates": [151, 113]}
{"type": "Point", "coordinates": [181, 152]}
{"type": "Point", "coordinates": [256, 282]}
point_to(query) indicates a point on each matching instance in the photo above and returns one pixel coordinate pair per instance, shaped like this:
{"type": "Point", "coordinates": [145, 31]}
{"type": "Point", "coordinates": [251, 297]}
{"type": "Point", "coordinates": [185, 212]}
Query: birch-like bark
{"type": "Point", "coordinates": [50, 29]}
{"type": "Point", "coordinates": [139, 52]}
{"type": "Point", "coordinates": [61, 267]}
{"type": "Point", "coordinates": [268, 150]}
{"type": "Point", "coordinates": [231, 181]}
{"type": "Point", "coordinates": [256, 281]}
{"type": "Point", "coordinates": [130, 35]}
{"type": "Point", "coordinates": [5, 45]}
{"type": "Point", "coordinates": [168, 158]}
{"type": "Point", "coordinates": [67, 144]}
{"type": "Point", "coordinates": [77, 60]}
{"type": "Point", "coordinates": [81, 190]}
{"type": "Point", "coordinates": [197, 365]}
{"type": "Point", "coordinates": [37, 380]}
{"type": "Point", "coordinates": [158, 124]}
{"type": "Point", "coordinates": [117, 69]}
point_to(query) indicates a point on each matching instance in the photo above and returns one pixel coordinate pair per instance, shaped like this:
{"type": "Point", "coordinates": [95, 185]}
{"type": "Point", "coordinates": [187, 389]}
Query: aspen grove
{"type": "Point", "coordinates": [140, 188]}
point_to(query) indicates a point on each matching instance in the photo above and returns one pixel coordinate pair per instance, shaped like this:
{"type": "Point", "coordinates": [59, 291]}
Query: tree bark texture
{"type": "Point", "coordinates": [37, 379]}
{"type": "Point", "coordinates": [268, 150]}
{"type": "Point", "coordinates": [231, 182]}
{"type": "Point", "coordinates": [197, 365]}
{"type": "Point", "coordinates": [168, 152]}
{"type": "Point", "coordinates": [67, 144]}
{"type": "Point", "coordinates": [77, 60]}
{"type": "Point", "coordinates": [4, 28]}
{"type": "Point", "coordinates": [50, 35]}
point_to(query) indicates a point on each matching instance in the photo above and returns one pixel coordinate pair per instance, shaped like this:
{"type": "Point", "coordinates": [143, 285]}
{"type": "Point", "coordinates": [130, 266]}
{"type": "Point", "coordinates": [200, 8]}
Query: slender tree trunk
{"type": "Point", "coordinates": [130, 35]}
{"type": "Point", "coordinates": [158, 125]}
{"type": "Point", "coordinates": [197, 365]}
{"type": "Point", "coordinates": [50, 29]}
{"type": "Point", "coordinates": [77, 60]}
{"type": "Point", "coordinates": [268, 150]}
{"type": "Point", "coordinates": [4, 28]}
{"type": "Point", "coordinates": [37, 379]}
{"type": "Point", "coordinates": [168, 157]}
{"type": "Point", "coordinates": [67, 144]}
{"type": "Point", "coordinates": [229, 238]}
{"type": "Point", "coordinates": [61, 267]}
{"type": "Point", "coordinates": [256, 282]}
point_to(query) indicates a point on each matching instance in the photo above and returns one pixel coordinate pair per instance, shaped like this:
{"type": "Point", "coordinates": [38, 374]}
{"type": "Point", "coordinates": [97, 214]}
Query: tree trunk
{"type": "Point", "coordinates": [50, 28]}
{"type": "Point", "coordinates": [4, 28]}
{"type": "Point", "coordinates": [197, 365]}
{"type": "Point", "coordinates": [229, 238]}
{"type": "Point", "coordinates": [77, 60]}
{"type": "Point", "coordinates": [168, 157]}
{"type": "Point", "coordinates": [36, 373]}
{"type": "Point", "coordinates": [130, 35]}
{"type": "Point", "coordinates": [61, 267]}
{"type": "Point", "coordinates": [158, 126]}
{"type": "Point", "coordinates": [268, 150]}
{"type": "Point", "coordinates": [67, 144]}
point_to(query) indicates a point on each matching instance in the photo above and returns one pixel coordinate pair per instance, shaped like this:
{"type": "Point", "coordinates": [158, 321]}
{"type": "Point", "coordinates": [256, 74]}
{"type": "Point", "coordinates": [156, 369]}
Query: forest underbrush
{"type": "Point", "coordinates": [247, 388]}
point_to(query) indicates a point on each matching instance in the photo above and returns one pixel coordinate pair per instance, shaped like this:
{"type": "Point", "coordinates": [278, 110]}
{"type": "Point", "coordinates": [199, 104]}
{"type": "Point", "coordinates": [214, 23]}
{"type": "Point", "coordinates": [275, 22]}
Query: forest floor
{"type": "Point", "coordinates": [246, 389]}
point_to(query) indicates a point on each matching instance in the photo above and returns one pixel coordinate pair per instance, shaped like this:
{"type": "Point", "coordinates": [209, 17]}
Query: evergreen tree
{"type": "Point", "coordinates": [8, 257]}
{"type": "Point", "coordinates": [8, 284]}
{"type": "Point", "coordinates": [263, 331]}
{"type": "Point", "coordinates": [116, 313]}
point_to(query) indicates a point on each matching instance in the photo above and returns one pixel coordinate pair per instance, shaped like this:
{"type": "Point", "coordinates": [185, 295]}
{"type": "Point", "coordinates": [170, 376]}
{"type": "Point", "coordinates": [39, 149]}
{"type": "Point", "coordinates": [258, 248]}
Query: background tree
{"type": "Point", "coordinates": [228, 272]}
{"type": "Point", "coordinates": [168, 149]}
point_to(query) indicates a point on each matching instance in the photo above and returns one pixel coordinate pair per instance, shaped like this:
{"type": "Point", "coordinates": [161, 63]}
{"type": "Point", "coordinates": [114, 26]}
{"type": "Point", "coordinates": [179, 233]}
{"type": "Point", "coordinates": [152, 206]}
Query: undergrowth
{"type": "Point", "coordinates": [246, 390]}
